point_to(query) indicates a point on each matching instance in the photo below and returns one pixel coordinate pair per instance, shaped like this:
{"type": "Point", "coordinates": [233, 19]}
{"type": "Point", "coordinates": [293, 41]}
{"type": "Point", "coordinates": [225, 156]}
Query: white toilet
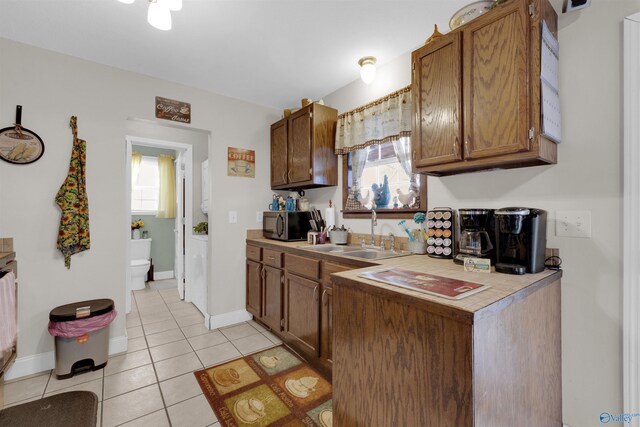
{"type": "Point", "coordinates": [140, 264]}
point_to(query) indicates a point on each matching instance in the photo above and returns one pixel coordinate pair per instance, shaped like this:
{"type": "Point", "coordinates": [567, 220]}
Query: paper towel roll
{"type": "Point", "coordinates": [330, 217]}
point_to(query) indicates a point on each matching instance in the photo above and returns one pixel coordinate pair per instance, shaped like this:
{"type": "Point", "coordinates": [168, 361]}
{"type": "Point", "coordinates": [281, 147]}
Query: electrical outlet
{"type": "Point", "coordinates": [233, 217]}
{"type": "Point", "coordinates": [259, 216]}
{"type": "Point", "coordinates": [573, 224]}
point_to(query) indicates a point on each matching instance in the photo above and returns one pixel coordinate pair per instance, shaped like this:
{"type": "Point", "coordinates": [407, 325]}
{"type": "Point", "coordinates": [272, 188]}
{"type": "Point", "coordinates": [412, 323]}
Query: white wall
{"type": "Point", "coordinates": [588, 176]}
{"type": "Point", "coordinates": [51, 87]}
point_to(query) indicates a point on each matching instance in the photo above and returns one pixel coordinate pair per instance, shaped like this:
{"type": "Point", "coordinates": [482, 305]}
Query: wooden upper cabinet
{"type": "Point", "coordinates": [279, 138]}
{"type": "Point", "coordinates": [437, 91]}
{"type": "Point", "coordinates": [476, 93]}
{"type": "Point", "coordinates": [302, 156]}
{"type": "Point", "coordinates": [299, 155]}
{"type": "Point", "coordinates": [496, 53]}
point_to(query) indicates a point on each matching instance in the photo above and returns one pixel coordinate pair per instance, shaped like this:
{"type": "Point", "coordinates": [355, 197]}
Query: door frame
{"type": "Point", "coordinates": [187, 149]}
{"type": "Point", "coordinates": [631, 212]}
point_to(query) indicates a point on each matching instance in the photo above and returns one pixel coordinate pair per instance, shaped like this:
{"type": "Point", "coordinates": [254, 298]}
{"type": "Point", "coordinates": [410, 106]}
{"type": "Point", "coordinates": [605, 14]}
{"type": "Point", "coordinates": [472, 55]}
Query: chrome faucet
{"type": "Point", "coordinates": [374, 222]}
{"type": "Point", "coordinates": [392, 244]}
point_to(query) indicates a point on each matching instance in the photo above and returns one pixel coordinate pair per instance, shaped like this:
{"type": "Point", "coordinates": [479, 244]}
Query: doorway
{"type": "Point", "coordinates": [183, 168]}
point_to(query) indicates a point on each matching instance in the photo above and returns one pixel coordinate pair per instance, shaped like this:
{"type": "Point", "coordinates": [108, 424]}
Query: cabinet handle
{"type": "Point", "coordinates": [262, 273]}
{"type": "Point", "coordinates": [284, 176]}
{"type": "Point", "coordinates": [466, 148]}
{"type": "Point", "coordinates": [414, 155]}
{"type": "Point", "coordinates": [324, 292]}
{"type": "Point", "coordinates": [289, 176]}
{"type": "Point", "coordinates": [315, 290]}
{"type": "Point", "coordinates": [456, 147]}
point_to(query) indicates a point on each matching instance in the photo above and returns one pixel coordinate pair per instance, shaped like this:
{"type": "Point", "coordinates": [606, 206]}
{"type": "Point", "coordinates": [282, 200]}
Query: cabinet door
{"type": "Point", "coordinates": [299, 154]}
{"type": "Point", "coordinates": [272, 298]}
{"type": "Point", "coordinates": [496, 94]}
{"type": "Point", "coordinates": [301, 314]}
{"type": "Point", "coordinates": [437, 102]}
{"type": "Point", "coordinates": [254, 288]}
{"type": "Point", "coordinates": [279, 137]}
{"type": "Point", "coordinates": [326, 331]}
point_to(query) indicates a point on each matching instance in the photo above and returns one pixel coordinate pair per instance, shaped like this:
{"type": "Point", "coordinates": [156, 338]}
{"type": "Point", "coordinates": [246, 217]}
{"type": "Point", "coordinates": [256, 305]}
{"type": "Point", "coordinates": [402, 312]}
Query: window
{"type": "Point", "coordinates": [381, 160]}
{"type": "Point", "coordinates": [144, 195]}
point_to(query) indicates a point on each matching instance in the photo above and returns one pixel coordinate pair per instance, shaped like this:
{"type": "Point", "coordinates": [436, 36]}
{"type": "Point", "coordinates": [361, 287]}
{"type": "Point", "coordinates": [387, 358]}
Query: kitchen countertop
{"type": "Point", "coordinates": [504, 289]}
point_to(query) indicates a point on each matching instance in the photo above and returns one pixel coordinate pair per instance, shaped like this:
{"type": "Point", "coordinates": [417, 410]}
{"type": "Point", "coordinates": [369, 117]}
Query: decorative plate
{"type": "Point", "coordinates": [469, 13]}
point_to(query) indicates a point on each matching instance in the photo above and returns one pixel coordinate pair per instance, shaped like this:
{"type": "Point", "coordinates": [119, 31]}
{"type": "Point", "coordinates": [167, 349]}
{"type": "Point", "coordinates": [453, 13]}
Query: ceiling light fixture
{"type": "Point", "coordinates": [367, 69]}
{"type": "Point", "coordinates": [159, 13]}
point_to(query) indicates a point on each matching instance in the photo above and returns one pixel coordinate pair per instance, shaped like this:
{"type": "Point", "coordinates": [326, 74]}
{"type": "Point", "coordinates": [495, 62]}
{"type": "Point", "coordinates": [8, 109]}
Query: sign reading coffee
{"type": "Point", "coordinates": [170, 109]}
{"type": "Point", "coordinates": [241, 162]}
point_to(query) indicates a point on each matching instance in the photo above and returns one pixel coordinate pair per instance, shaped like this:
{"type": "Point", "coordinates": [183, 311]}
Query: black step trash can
{"type": "Point", "coordinates": [81, 332]}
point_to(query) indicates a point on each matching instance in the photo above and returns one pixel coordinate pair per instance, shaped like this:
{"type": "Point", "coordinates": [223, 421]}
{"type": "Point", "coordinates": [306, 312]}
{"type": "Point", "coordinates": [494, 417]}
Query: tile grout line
{"type": "Point", "coordinates": [155, 372]}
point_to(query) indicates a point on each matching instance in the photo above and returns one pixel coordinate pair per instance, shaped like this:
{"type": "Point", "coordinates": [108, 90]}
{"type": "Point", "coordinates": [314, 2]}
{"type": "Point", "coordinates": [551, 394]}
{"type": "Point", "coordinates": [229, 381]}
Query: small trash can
{"type": "Point", "coordinates": [81, 332]}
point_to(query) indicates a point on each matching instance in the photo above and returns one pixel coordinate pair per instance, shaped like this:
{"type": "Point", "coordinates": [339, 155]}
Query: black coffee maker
{"type": "Point", "coordinates": [477, 235]}
{"type": "Point", "coordinates": [521, 240]}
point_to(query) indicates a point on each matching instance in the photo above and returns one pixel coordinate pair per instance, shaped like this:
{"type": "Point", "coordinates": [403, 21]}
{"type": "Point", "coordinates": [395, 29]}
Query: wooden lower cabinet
{"type": "Point", "coordinates": [326, 326]}
{"type": "Point", "coordinates": [399, 362]}
{"type": "Point", "coordinates": [292, 294]}
{"type": "Point", "coordinates": [254, 288]}
{"type": "Point", "coordinates": [301, 314]}
{"type": "Point", "coordinates": [273, 281]}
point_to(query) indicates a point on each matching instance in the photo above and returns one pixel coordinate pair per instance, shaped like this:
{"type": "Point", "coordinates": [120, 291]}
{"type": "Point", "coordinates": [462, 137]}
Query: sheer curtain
{"type": "Point", "coordinates": [136, 159]}
{"type": "Point", "coordinates": [358, 160]}
{"type": "Point", "coordinates": [167, 189]}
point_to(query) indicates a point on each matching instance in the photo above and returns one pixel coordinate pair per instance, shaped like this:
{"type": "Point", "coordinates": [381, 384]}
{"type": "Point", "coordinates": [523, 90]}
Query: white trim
{"type": "Point", "coordinates": [41, 362]}
{"type": "Point", "coordinates": [226, 319]}
{"type": "Point", "coordinates": [631, 235]}
{"type": "Point", "coordinates": [188, 156]}
{"type": "Point", "coordinates": [163, 275]}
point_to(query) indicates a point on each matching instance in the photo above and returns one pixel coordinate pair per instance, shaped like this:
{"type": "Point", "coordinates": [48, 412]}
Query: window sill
{"type": "Point", "coordinates": [154, 213]}
{"type": "Point", "coordinates": [400, 213]}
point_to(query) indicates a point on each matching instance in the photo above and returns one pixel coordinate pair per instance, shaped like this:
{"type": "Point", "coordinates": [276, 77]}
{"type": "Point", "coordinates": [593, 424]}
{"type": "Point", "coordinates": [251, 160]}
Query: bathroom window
{"type": "Point", "coordinates": [144, 195]}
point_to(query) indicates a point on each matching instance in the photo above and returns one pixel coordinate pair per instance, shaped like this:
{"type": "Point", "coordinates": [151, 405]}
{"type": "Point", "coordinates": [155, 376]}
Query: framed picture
{"type": "Point", "coordinates": [20, 146]}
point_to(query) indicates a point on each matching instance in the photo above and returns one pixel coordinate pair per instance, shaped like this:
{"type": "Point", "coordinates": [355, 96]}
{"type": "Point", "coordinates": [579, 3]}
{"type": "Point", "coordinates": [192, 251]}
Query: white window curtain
{"type": "Point", "coordinates": [136, 159]}
{"type": "Point", "coordinates": [383, 120]}
{"type": "Point", "coordinates": [167, 190]}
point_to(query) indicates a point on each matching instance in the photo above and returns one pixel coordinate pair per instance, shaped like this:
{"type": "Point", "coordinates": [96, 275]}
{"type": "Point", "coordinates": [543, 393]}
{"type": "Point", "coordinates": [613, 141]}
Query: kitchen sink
{"type": "Point", "coordinates": [330, 248]}
{"type": "Point", "coordinates": [376, 254]}
{"type": "Point", "coordinates": [356, 251]}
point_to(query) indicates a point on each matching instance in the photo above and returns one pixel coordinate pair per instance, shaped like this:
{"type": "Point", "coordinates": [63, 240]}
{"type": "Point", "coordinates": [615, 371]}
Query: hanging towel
{"type": "Point", "coordinates": [73, 234]}
{"type": "Point", "coordinates": [8, 327]}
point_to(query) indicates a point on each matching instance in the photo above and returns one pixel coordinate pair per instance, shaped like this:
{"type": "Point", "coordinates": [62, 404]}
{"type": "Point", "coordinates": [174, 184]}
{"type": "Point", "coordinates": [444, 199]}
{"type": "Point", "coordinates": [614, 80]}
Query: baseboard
{"type": "Point", "coordinates": [36, 363]}
{"type": "Point", "coordinates": [162, 275]}
{"type": "Point", "coordinates": [226, 319]}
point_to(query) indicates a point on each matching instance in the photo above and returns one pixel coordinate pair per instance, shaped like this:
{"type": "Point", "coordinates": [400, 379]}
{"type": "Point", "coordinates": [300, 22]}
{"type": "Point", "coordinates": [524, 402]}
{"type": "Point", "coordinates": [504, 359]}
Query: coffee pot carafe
{"type": "Point", "coordinates": [476, 235]}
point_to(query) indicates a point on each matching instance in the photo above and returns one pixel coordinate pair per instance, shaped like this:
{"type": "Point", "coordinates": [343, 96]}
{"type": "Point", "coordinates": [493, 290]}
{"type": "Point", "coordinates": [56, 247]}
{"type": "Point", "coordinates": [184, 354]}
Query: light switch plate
{"type": "Point", "coordinates": [233, 217]}
{"type": "Point", "coordinates": [259, 216]}
{"type": "Point", "coordinates": [573, 224]}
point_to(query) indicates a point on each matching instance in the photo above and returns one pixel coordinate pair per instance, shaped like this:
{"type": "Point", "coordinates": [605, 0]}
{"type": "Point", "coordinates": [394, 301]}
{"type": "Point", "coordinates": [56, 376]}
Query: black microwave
{"type": "Point", "coordinates": [285, 225]}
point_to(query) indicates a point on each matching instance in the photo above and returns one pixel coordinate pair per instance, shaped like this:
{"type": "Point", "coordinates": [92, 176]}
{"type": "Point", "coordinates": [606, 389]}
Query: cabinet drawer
{"type": "Point", "coordinates": [328, 268]}
{"type": "Point", "coordinates": [272, 258]}
{"type": "Point", "coordinates": [302, 266]}
{"type": "Point", "coordinates": [254, 252]}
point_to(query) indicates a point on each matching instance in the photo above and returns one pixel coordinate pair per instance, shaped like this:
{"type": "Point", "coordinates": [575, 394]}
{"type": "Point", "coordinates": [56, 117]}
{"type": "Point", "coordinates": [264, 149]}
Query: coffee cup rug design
{"type": "Point", "coordinates": [269, 388]}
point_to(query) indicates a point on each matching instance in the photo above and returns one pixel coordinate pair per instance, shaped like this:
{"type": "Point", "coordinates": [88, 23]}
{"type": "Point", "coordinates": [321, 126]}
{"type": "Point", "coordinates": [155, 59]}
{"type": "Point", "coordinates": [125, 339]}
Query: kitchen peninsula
{"type": "Point", "coordinates": [402, 357]}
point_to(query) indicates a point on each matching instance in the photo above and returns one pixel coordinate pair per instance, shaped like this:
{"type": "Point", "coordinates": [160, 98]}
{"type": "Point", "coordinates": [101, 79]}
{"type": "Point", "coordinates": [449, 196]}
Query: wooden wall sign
{"type": "Point", "coordinates": [241, 162]}
{"type": "Point", "coordinates": [170, 109]}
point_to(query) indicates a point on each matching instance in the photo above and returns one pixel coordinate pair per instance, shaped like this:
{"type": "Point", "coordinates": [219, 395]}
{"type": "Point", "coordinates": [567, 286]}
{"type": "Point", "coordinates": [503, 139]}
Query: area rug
{"type": "Point", "coordinates": [270, 388]}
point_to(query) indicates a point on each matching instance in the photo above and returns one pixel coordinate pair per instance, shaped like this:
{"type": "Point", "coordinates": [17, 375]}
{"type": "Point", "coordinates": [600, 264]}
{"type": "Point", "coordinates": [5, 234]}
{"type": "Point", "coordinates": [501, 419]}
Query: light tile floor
{"type": "Point", "coordinates": [153, 383]}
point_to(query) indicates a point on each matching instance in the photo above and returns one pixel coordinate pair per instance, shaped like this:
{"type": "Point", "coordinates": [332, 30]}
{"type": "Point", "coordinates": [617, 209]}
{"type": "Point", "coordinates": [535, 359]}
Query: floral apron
{"type": "Point", "coordinates": [73, 234]}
